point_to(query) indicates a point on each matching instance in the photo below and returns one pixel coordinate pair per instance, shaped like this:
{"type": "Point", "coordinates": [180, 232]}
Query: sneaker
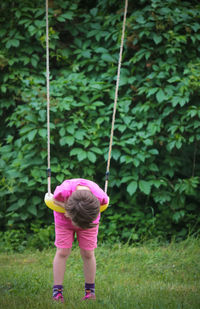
{"type": "Point", "coordinates": [59, 297]}
{"type": "Point", "coordinates": [88, 296]}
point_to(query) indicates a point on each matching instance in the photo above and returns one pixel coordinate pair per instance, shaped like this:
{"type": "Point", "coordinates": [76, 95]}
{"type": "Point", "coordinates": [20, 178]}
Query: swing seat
{"type": "Point", "coordinates": [49, 201]}
{"type": "Point", "coordinates": [104, 207]}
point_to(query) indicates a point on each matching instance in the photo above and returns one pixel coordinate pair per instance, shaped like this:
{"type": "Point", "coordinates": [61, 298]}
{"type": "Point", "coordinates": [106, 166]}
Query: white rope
{"type": "Point", "coordinates": [116, 96]}
{"type": "Point", "coordinates": [48, 100]}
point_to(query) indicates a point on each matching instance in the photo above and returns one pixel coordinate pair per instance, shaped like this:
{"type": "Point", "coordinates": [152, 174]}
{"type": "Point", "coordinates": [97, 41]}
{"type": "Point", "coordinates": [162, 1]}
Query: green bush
{"type": "Point", "coordinates": [154, 177]}
{"type": "Point", "coordinates": [13, 240]}
{"type": "Point", "coordinates": [38, 237]}
{"type": "Point", "coordinates": [41, 237]}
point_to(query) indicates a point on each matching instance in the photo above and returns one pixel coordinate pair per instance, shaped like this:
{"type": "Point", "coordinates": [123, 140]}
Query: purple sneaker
{"type": "Point", "coordinates": [58, 296]}
{"type": "Point", "coordinates": [89, 296]}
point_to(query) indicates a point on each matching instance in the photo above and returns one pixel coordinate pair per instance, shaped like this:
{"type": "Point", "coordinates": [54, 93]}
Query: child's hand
{"type": "Point", "coordinates": [49, 197]}
{"type": "Point", "coordinates": [66, 215]}
{"type": "Point", "coordinates": [59, 203]}
{"type": "Point", "coordinates": [53, 203]}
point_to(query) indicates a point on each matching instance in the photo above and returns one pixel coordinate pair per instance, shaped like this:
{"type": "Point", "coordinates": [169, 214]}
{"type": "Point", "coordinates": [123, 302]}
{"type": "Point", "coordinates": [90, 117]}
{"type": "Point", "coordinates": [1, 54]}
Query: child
{"type": "Point", "coordinates": [82, 199]}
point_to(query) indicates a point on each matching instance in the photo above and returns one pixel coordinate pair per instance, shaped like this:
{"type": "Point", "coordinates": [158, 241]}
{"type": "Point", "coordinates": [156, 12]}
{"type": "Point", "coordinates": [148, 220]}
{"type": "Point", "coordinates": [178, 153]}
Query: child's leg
{"type": "Point", "coordinates": [59, 264]}
{"type": "Point", "coordinates": [64, 238]}
{"type": "Point", "coordinates": [89, 265]}
{"type": "Point", "coordinates": [88, 242]}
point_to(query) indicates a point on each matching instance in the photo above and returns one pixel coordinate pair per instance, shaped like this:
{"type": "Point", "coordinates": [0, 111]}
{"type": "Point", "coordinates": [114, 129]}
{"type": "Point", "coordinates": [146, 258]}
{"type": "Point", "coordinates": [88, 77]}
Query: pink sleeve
{"type": "Point", "coordinates": [99, 193]}
{"type": "Point", "coordinates": [103, 198]}
{"type": "Point", "coordinates": [63, 191]}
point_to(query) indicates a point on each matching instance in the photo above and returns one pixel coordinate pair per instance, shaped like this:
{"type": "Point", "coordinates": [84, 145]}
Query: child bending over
{"type": "Point", "coordinates": [82, 199]}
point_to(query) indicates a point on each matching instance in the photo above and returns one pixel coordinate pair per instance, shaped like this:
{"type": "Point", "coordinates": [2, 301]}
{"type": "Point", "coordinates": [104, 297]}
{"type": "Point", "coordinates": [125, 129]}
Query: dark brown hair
{"type": "Point", "coordinates": [83, 208]}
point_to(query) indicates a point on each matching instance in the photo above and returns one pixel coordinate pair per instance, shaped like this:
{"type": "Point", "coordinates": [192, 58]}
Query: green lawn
{"type": "Point", "coordinates": [148, 276]}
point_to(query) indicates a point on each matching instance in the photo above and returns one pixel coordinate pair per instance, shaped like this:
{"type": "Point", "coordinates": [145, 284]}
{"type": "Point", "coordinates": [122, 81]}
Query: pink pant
{"type": "Point", "coordinates": [65, 232]}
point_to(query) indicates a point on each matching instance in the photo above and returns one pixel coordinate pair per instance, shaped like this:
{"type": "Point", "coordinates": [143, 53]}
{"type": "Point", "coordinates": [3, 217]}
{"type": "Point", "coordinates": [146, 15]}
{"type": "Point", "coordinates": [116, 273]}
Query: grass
{"type": "Point", "coordinates": [145, 277]}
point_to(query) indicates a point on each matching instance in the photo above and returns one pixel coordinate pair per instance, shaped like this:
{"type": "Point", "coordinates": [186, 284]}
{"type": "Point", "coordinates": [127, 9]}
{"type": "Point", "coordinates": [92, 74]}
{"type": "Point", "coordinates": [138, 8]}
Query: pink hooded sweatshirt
{"type": "Point", "coordinates": [63, 191]}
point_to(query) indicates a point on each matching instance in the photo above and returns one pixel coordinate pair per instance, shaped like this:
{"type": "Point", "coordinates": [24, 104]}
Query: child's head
{"type": "Point", "coordinates": [83, 208]}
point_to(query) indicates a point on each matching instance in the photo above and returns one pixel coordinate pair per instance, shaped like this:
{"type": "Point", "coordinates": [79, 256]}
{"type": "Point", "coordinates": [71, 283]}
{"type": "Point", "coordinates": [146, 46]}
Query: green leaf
{"type": "Point", "coordinates": [82, 155]}
{"type": "Point", "coordinates": [24, 216]}
{"type": "Point", "coordinates": [31, 135]}
{"type": "Point", "coordinates": [153, 167]}
{"type": "Point", "coordinates": [165, 11]}
{"type": "Point", "coordinates": [121, 128]}
{"type": "Point", "coordinates": [174, 79]}
{"type": "Point", "coordinates": [116, 154]}
{"type": "Point", "coordinates": [62, 132]}
{"type": "Point", "coordinates": [60, 177]}
{"type": "Point", "coordinates": [157, 183]}
{"type": "Point", "coordinates": [157, 38]}
{"type": "Point", "coordinates": [13, 207]}
{"type": "Point", "coordinates": [108, 58]}
{"type": "Point", "coordinates": [67, 140]}
{"type": "Point", "coordinates": [2, 32]}
{"type": "Point", "coordinates": [42, 132]}
{"type": "Point", "coordinates": [63, 141]}
{"type": "Point", "coordinates": [126, 178]}
{"type": "Point", "coordinates": [70, 140]}
{"type": "Point", "coordinates": [12, 42]}
{"type": "Point", "coordinates": [79, 135]}
{"type": "Point", "coordinates": [71, 129]}
{"type": "Point", "coordinates": [94, 11]}
{"type": "Point", "coordinates": [145, 186]}
{"type": "Point", "coordinates": [86, 54]}
{"type": "Point", "coordinates": [141, 156]}
{"type": "Point", "coordinates": [136, 162]}
{"type": "Point", "coordinates": [154, 151]}
{"type": "Point", "coordinates": [2, 163]}
{"type": "Point", "coordinates": [151, 91]}
{"type": "Point", "coordinates": [68, 15]}
{"type": "Point", "coordinates": [32, 118]}
{"type": "Point", "coordinates": [177, 216]}
{"type": "Point", "coordinates": [39, 23]}
{"type": "Point", "coordinates": [195, 26]}
{"type": "Point", "coordinates": [32, 209]}
{"type": "Point", "coordinates": [18, 14]}
{"type": "Point", "coordinates": [34, 62]}
{"type": "Point", "coordinates": [36, 200]}
{"type": "Point", "coordinates": [21, 202]}
{"type": "Point", "coordinates": [75, 151]}
{"type": "Point", "coordinates": [61, 19]}
{"type": "Point", "coordinates": [140, 19]}
{"type": "Point", "coordinates": [3, 88]}
{"type": "Point", "coordinates": [91, 156]}
{"type": "Point", "coordinates": [160, 96]}
{"type": "Point", "coordinates": [132, 187]}
{"type": "Point", "coordinates": [96, 150]}
{"type": "Point", "coordinates": [101, 50]}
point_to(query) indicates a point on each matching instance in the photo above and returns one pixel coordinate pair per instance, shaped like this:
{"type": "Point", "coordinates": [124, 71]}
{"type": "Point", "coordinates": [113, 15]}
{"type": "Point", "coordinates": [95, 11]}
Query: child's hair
{"type": "Point", "coordinates": [83, 208]}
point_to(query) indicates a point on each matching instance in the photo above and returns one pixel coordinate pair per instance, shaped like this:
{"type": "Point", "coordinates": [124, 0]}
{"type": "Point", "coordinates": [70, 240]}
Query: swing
{"type": "Point", "coordinates": [49, 200]}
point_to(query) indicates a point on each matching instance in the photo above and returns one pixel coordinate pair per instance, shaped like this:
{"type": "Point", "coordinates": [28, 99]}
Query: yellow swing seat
{"type": "Point", "coordinates": [49, 201]}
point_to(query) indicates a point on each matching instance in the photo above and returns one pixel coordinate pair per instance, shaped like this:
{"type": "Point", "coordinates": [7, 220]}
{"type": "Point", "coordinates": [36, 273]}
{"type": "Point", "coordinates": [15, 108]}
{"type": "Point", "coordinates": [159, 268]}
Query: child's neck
{"type": "Point", "coordinates": [82, 188]}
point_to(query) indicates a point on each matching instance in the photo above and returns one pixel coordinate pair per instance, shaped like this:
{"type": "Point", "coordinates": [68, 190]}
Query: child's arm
{"type": "Point", "coordinates": [62, 204]}
{"type": "Point", "coordinates": [62, 192]}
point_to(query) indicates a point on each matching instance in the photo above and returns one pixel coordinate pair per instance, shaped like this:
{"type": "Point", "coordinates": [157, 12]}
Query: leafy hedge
{"type": "Point", "coordinates": [154, 178]}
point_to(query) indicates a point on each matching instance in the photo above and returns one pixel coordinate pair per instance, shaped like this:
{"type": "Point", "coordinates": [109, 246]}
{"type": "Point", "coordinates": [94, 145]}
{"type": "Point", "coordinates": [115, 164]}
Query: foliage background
{"type": "Point", "coordinates": [154, 181]}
